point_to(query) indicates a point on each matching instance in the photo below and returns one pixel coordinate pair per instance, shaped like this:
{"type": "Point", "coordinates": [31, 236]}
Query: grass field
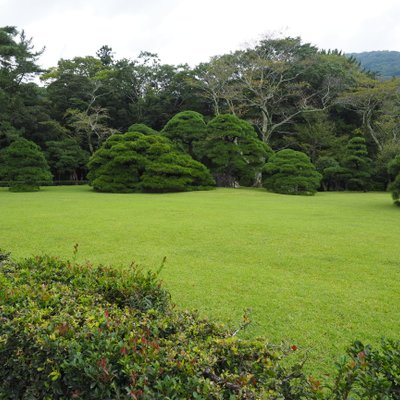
{"type": "Point", "coordinates": [316, 271]}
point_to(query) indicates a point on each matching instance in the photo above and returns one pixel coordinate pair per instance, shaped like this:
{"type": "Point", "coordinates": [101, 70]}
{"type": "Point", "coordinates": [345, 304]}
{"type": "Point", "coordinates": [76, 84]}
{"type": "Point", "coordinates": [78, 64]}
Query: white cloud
{"type": "Point", "coordinates": [192, 31]}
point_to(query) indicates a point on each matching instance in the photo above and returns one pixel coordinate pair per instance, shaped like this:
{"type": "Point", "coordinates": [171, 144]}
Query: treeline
{"type": "Point", "coordinates": [293, 95]}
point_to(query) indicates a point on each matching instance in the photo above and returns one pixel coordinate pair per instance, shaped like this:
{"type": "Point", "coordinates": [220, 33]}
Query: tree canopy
{"type": "Point", "coordinates": [23, 166]}
{"type": "Point", "coordinates": [135, 162]}
{"type": "Point", "coordinates": [291, 172]}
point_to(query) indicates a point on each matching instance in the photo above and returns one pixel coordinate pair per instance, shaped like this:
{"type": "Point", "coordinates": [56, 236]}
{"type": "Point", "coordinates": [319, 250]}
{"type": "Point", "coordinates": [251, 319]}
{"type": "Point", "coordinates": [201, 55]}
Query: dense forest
{"type": "Point", "coordinates": [281, 93]}
{"type": "Point", "coordinates": [386, 64]}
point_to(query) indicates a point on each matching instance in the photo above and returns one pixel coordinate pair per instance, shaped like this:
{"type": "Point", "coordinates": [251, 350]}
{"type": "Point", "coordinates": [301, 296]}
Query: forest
{"type": "Point", "coordinates": [291, 94]}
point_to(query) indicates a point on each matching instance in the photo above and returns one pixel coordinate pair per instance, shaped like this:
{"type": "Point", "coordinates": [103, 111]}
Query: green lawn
{"type": "Point", "coordinates": [317, 271]}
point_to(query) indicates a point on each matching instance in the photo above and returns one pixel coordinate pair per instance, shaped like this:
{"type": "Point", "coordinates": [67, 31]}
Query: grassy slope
{"type": "Point", "coordinates": [319, 271]}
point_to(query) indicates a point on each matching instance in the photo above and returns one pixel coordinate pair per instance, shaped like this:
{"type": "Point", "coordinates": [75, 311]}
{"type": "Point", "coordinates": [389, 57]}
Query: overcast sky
{"type": "Point", "coordinates": [191, 31]}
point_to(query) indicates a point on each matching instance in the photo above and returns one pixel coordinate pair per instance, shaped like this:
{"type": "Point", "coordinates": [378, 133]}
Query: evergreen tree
{"type": "Point", "coordinates": [187, 129]}
{"type": "Point", "coordinates": [394, 171]}
{"type": "Point", "coordinates": [135, 162]}
{"type": "Point", "coordinates": [66, 159]}
{"type": "Point", "coordinates": [23, 166]}
{"type": "Point", "coordinates": [233, 151]}
{"type": "Point", "coordinates": [142, 128]}
{"type": "Point", "coordinates": [358, 164]}
{"type": "Point", "coordinates": [291, 172]}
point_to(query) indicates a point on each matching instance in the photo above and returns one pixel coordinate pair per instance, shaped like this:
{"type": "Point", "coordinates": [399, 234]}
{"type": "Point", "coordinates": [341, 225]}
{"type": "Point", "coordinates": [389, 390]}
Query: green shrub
{"type": "Point", "coordinates": [69, 330]}
{"type": "Point", "coordinates": [23, 166]}
{"type": "Point", "coordinates": [77, 331]}
{"type": "Point", "coordinates": [368, 373]}
{"type": "Point", "coordinates": [135, 162]}
{"type": "Point", "coordinates": [291, 172]}
{"type": "Point", "coordinates": [394, 171]}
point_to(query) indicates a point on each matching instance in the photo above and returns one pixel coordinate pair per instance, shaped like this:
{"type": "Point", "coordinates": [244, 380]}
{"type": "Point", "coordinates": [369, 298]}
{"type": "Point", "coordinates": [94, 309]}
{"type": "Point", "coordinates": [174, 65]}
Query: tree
{"type": "Point", "coordinates": [142, 128]}
{"type": "Point", "coordinates": [333, 174]}
{"type": "Point", "coordinates": [90, 126]}
{"type": "Point", "coordinates": [315, 136]}
{"type": "Point", "coordinates": [135, 162]}
{"type": "Point", "coordinates": [378, 104]}
{"type": "Point", "coordinates": [357, 163]}
{"type": "Point", "coordinates": [291, 172]}
{"type": "Point", "coordinates": [233, 151]}
{"type": "Point", "coordinates": [23, 166]}
{"type": "Point", "coordinates": [66, 159]}
{"type": "Point", "coordinates": [187, 129]}
{"type": "Point", "coordinates": [394, 171]}
{"type": "Point", "coordinates": [274, 82]}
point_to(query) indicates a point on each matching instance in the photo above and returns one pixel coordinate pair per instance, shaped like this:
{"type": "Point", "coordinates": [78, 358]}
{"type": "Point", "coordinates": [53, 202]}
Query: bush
{"type": "Point", "coordinates": [291, 172]}
{"type": "Point", "coordinates": [135, 162]}
{"type": "Point", "coordinates": [368, 373]}
{"type": "Point", "coordinates": [394, 171]}
{"type": "Point", "coordinates": [77, 331]}
{"type": "Point", "coordinates": [23, 166]}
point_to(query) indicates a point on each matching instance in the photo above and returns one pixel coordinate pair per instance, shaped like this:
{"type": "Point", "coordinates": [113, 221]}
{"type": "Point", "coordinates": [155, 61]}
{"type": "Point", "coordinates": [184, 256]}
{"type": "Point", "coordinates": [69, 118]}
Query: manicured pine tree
{"type": "Point", "coordinates": [394, 171]}
{"type": "Point", "coordinates": [187, 129]}
{"type": "Point", "coordinates": [135, 162]}
{"type": "Point", "coordinates": [232, 151]}
{"type": "Point", "coordinates": [291, 172]}
{"type": "Point", "coordinates": [142, 128]}
{"type": "Point", "coordinates": [24, 167]}
{"type": "Point", "coordinates": [357, 164]}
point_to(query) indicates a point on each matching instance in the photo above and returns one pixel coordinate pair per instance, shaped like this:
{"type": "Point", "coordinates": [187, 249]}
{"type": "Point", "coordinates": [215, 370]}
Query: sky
{"type": "Point", "coordinates": [191, 31]}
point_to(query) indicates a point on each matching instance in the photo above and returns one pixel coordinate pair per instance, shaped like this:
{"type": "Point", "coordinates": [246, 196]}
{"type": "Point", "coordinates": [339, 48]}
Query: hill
{"type": "Point", "coordinates": [385, 63]}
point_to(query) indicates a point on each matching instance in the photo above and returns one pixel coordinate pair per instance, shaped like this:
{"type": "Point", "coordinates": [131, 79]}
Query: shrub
{"type": "Point", "coordinates": [135, 162]}
{"type": "Point", "coordinates": [77, 331]}
{"type": "Point", "coordinates": [394, 171]}
{"type": "Point", "coordinates": [368, 373]}
{"type": "Point", "coordinates": [23, 166]}
{"type": "Point", "coordinates": [291, 172]}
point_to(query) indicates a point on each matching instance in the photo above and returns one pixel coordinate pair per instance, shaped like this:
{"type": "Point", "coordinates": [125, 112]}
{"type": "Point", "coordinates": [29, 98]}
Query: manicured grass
{"type": "Point", "coordinates": [317, 271]}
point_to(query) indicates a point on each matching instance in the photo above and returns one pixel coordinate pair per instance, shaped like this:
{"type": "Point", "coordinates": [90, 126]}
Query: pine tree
{"type": "Point", "coordinates": [23, 166]}
{"type": "Point", "coordinates": [357, 164]}
{"type": "Point", "coordinates": [135, 162]}
{"type": "Point", "coordinates": [291, 172]}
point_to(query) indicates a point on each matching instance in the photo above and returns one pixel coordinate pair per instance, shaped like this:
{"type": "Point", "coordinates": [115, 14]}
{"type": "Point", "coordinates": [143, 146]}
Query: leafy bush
{"type": "Point", "coordinates": [77, 331]}
{"type": "Point", "coordinates": [23, 166]}
{"type": "Point", "coordinates": [368, 373]}
{"type": "Point", "coordinates": [291, 172]}
{"type": "Point", "coordinates": [135, 162]}
{"type": "Point", "coordinates": [69, 330]}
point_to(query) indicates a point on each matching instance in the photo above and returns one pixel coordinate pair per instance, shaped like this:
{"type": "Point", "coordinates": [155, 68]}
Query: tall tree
{"type": "Point", "coordinates": [233, 151]}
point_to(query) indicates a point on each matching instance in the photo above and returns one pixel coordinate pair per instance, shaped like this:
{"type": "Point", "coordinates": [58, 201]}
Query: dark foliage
{"type": "Point", "coordinates": [23, 166]}
{"type": "Point", "coordinates": [135, 162]}
{"type": "Point", "coordinates": [291, 172]}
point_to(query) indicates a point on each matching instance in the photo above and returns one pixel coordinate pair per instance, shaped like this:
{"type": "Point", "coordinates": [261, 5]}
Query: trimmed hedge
{"type": "Point", "coordinates": [69, 330]}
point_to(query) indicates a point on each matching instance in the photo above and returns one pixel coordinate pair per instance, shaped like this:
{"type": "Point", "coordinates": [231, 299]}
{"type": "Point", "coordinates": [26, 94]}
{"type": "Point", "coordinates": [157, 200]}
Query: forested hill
{"type": "Point", "coordinates": [386, 63]}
